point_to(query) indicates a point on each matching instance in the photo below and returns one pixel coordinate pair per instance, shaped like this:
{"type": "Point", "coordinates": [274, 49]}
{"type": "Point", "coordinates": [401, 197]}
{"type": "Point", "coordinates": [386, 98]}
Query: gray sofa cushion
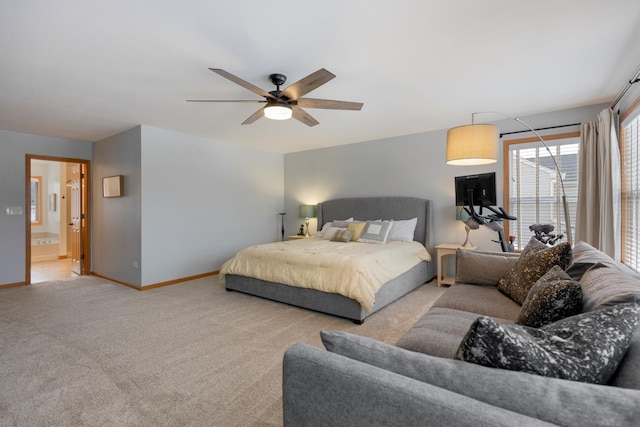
{"type": "Point", "coordinates": [587, 347]}
{"type": "Point", "coordinates": [605, 286]}
{"type": "Point", "coordinates": [483, 268]}
{"type": "Point", "coordinates": [530, 267]}
{"type": "Point", "coordinates": [439, 332]}
{"type": "Point", "coordinates": [585, 253]}
{"type": "Point", "coordinates": [549, 399]}
{"type": "Point", "coordinates": [553, 297]}
{"type": "Point", "coordinates": [479, 299]}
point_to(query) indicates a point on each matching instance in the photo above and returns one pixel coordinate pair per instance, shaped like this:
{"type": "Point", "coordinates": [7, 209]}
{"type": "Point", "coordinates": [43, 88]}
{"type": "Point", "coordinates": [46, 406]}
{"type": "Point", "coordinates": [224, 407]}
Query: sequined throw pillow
{"type": "Point", "coordinates": [587, 347]}
{"type": "Point", "coordinates": [530, 267]}
{"type": "Point", "coordinates": [553, 297]}
{"type": "Point", "coordinates": [342, 236]}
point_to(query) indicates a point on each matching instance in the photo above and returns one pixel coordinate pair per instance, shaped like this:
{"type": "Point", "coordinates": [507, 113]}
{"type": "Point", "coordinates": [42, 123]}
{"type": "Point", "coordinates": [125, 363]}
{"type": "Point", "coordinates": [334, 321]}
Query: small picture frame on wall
{"type": "Point", "coordinates": [112, 186]}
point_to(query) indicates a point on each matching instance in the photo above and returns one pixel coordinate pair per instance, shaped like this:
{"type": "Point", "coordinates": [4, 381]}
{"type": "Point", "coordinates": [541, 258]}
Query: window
{"type": "Point", "coordinates": [630, 182]}
{"type": "Point", "coordinates": [534, 192]}
{"type": "Point", "coordinates": [36, 200]}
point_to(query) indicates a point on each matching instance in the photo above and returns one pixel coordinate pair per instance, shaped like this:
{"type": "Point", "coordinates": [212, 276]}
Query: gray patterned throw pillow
{"type": "Point", "coordinates": [531, 266]}
{"type": "Point", "coordinates": [553, 297]}
{"type": "Point", "coordinates": [587, 347]}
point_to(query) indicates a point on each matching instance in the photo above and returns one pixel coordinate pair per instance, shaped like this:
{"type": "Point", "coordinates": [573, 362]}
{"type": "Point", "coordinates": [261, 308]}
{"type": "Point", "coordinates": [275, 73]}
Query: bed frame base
{"type": "Point", "coordinates": [333, 304]}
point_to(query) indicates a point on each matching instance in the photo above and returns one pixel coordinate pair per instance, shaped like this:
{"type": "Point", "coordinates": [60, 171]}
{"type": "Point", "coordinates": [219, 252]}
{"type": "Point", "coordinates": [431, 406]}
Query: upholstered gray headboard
{"type": "Point", "coordinates": [372, 208]}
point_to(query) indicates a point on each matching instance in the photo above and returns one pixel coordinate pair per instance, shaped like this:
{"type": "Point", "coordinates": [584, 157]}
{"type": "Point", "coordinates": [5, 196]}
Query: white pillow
{"type": "Point", "coordinates": [330, 232]}
{"type": "Point", "coordinates": [330, 224]}
{"type": "Point", "coordinates": [403, 230]}
{"type": "Point", "coordinates": [376, 232]}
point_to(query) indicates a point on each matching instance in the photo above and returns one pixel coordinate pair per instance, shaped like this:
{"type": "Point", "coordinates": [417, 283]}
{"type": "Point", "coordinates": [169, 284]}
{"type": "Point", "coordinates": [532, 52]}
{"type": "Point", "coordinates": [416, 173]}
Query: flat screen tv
{"type": "Point", "coordinates": [476, 190]}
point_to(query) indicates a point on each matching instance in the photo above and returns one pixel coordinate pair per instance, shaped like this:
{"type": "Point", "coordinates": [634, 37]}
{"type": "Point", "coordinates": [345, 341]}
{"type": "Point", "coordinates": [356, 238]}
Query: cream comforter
{"type": "Point", "coordinates": [354, 270]}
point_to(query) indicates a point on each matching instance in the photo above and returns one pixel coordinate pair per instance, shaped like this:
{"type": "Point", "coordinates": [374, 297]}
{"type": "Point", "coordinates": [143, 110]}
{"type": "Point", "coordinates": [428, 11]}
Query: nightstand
{"type": "Point", "coordinates": [442, 250]}
{"type": "Point", "coordinates": [296, 237]}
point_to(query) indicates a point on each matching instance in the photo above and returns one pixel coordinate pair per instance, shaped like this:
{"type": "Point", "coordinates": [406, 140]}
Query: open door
{"type": "Point", "coordinates": [78, 219]}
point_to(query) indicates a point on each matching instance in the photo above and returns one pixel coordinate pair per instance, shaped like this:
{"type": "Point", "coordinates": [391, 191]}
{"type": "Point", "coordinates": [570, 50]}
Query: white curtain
{"type": "Point", "coordinates": [598, 210]}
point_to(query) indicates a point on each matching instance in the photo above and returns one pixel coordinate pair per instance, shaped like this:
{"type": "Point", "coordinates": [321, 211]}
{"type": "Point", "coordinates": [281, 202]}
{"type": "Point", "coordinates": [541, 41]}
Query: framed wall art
{"type": "Point", "coordinates": [112, 186]}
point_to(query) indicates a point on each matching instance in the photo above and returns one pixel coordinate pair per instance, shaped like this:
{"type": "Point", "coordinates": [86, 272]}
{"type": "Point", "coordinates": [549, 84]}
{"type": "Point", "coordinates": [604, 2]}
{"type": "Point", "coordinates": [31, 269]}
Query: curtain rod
{"type": "Point", "coordinates": [537, 129]}
{"type": "Point", "coordinates": [634, 79]}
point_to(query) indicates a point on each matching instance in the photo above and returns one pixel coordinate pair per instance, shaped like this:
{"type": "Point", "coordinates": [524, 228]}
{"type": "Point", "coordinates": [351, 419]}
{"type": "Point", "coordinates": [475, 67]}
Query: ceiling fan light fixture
{"type": "Point", "coordinates": [278, 112]}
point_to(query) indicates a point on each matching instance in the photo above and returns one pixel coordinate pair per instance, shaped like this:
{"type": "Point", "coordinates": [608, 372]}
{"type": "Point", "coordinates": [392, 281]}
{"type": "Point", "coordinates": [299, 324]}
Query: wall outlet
{"type": "Point", "coordinates": [15, 210]}
{"type": "Point", "coordinates": [134, 264]}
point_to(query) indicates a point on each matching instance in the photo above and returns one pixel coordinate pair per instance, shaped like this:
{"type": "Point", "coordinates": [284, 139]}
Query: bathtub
{"type": "Point", "coordinates": [44, 248]}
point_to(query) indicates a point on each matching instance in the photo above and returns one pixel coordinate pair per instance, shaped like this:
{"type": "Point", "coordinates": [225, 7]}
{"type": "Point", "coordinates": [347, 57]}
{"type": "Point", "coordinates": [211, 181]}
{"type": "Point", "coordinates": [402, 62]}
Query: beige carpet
{"type": "Point", "coordinates": [86, 351]}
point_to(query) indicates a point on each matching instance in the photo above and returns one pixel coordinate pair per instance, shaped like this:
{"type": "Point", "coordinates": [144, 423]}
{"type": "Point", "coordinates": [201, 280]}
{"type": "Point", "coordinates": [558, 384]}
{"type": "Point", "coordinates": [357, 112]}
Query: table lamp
{"type": "Point", "coordinates": [463, 215]}
{"type": "Point", "coordinates": [306, 212]}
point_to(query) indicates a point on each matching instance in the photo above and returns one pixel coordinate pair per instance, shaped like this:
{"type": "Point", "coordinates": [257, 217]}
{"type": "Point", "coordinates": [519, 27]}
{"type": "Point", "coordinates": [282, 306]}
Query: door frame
{"type": "Point", "coordinates": [86, 193]}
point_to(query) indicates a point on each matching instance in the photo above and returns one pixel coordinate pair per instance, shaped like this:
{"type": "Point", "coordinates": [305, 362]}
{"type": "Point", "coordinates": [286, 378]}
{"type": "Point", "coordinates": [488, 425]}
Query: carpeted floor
{"type": "Point", "coordinates": [86, 351]}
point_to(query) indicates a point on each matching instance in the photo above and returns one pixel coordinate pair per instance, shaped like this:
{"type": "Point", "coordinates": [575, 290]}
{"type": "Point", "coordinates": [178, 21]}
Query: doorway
{"type": "Point", "coordinates": [57, 220]}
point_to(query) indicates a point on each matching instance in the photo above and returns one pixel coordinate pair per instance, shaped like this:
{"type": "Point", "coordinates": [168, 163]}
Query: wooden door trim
{"type": "Point", "coordinates": [86, 194]}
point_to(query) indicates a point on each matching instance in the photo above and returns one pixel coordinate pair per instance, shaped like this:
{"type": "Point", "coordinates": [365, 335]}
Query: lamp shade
{"type": "Point", "coordinates": [307, 211]}
{"type": "Point", "coordinates": [472, 145]}
{"type": "Point", "coordinates": [278, 112]}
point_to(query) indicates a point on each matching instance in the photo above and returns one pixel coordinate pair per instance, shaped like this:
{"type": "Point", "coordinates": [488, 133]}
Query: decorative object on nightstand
{"type": "Point", "coordinates": [306, 212]}
{"type": "Point", "coordinates": [296, 237]}
{"type": "Point", "coordinates": [442, 251]}
{"type": "Point", "coordinates": [469, 224]}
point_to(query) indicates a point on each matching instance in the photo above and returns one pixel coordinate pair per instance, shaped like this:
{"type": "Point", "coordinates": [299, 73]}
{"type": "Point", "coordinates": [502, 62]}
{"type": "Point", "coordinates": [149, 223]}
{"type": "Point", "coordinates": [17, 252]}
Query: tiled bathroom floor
{"type": "Point", "coordinates": [51, 270]}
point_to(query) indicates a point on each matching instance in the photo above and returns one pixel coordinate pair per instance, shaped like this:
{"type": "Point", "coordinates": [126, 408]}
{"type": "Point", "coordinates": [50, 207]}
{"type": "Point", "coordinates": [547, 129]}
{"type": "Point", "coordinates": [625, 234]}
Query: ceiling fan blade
{"type": "Point", "coordinates": [255, 116]}
{"type": "Point", "coordinates": [227, 100]}
{"type": "Point", "coordinates": [303, 116]}
{"type": "Point", "coordinates": [307, 84]}
{"type": "Point", "coordinates": [329, 104]}
{"type": "Point", "coordinates": [243, 83]}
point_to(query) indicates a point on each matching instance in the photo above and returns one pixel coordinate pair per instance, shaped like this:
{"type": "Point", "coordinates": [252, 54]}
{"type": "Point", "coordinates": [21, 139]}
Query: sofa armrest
{"type": "Point", "coordinates": [325, 389]}
{"type": "Point", "coordinates": [483, 268]}
{"type": "Point", "coordinates": [554, 400]}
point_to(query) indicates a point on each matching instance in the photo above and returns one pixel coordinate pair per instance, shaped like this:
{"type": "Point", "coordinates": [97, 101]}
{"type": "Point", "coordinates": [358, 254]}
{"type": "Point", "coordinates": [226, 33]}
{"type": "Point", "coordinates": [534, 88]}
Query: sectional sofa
{"type": "Point", "coordinates": [563, 350]}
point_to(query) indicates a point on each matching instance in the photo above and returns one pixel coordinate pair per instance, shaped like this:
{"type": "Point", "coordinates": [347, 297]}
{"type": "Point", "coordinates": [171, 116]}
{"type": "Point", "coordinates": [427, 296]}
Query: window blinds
{"type": "Point", "coordinates": [630, 198]}
{"type": "Point", "coordinates": [535, 191]}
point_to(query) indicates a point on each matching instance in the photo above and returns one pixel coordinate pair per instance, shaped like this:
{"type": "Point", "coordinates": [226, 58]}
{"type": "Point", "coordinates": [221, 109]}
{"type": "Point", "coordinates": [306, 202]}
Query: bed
{"type": "Point", "coordinates": [362, 208]}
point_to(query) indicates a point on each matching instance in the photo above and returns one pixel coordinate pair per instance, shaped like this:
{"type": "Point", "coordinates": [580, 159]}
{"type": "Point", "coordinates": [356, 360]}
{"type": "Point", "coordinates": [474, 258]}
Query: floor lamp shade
{"type": "Point", "coordinates": [472, 145]}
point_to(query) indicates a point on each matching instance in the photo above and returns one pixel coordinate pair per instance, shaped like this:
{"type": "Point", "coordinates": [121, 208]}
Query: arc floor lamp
{"type": "Point", "coordinates": [477, 144]}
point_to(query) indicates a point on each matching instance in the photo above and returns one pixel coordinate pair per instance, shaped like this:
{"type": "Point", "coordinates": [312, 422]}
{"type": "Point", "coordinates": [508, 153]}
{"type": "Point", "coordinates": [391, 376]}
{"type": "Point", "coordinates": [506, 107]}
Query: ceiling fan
{"type": "Point", "coordinates": [287, 103]}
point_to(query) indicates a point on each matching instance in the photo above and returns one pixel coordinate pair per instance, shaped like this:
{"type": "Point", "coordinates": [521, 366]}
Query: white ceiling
{"type": "Point", "coordinates": [86, 70]}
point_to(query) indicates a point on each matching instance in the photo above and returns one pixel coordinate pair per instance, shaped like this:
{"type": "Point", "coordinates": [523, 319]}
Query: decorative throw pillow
{"type": "Point", "coordinates": [587, 347]}
{"type": "Point", "coordinates": [376, 232]}
{"type": "Point", "coordinates": [553, 297]}
{"type": "Point", "coordinates": [530, 267]}
{"type": "Point", "coordinates": [342, 236]}
{"type": "Point", "coordinates": [338, 223]}
{"type": "Point", "coordinates": [357, 228]}
{"type": "Point", "coordinates": [403, 230]}
{"type": "Point", "coordinates": [330, 232]}
{"type": "Point", "coordinates": [534, 246]}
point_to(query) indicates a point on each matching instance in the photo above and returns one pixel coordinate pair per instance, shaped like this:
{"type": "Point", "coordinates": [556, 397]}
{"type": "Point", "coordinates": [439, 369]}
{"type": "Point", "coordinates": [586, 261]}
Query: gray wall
{"type": "Point", "coordinates": [13, 148]}
{"type": "Point", "coordinates": [117, 229]}
{"type": "Point", "coordinates": [189, 203]}
{"type": "Point", "coordinates": [203, 200]}
{"type": "Point", "coordinates": [411, 165]}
